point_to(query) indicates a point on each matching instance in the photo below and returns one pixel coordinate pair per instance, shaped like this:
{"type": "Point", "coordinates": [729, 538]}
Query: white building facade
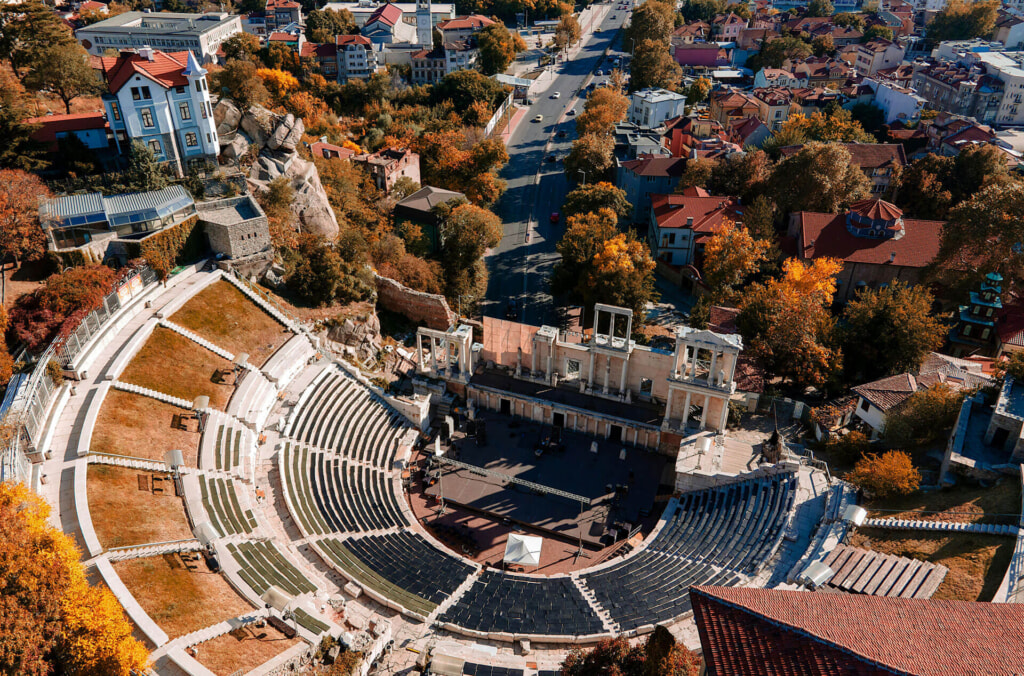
{"type": "Point", "coordinates": [163, 101]}
{"type": "Point", "coordinates": [201, 34]}
{"type": "Point", "coordinates": [651, 107]}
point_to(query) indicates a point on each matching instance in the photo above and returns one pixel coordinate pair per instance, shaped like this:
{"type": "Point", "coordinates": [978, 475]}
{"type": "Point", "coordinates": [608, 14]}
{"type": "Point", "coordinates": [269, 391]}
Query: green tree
{"type": "Point", "coordinates": [466, 233]}
{"type": "Point", "coordinates": [466, 87]}
{"type": "Point", "coordinates": [759, 217]}
{"type": "Point", "coordinates": [744, 175]}
{"type": "Point", "coordinates": [653, 66]}
{"type": "Point", "coordinates": [322, 25]}
{"type": "Point", "coordinates": [18, 149]}
{"type": "Point", "coordinates": [888, 331]}
{"type": "Point", "coordinates": [774, 52]}
{"type": "Point", "coordinates": [651, 21]}
{"type": "Point", "coordinates": [696, 173]}
{"type": "Point", "coordinates": [985, 233]}
{"type": "Point", "coordinates": [498, 48]}
{"type": "Point", "coordinates": [604, 108]}
{"type": "Point", "coordinates": [568, 31]}
{"type": "Point", "coordinates": [592, 155]}
{"type": "Point", "coordinates": [241, 47]}
{"type": "Point", "coordinates": [873, 32]}
{"type": "Point", "coordinates": [818, 178]}
{"type": "Point", "coordinates": [820, 8]}
{"type": "Point", "coordinates": [926, 417]}
{"type": "Point", "coordinates": [144, 173]}
{"type": "Point", "coordinates": [701, 10]}
{"type": "Point", "coordinates": [28, 31]}
{"type": "Point", "coordinates": [319, 275]}
{"type": "Point", "coordinates": [849, 19]}
{"type": "Point", "coordinates": [930, 186]}
{"type": "Point", "coordinates": [64, 72]}
{"type": "Point", "coordinates": [595, 197]}
{"type": "Point", "coordinates": [961, 20]}
{"type": "Point", "coordinates": [823, 45]}
{"type": "Point", "coordinates": [1013, 366]}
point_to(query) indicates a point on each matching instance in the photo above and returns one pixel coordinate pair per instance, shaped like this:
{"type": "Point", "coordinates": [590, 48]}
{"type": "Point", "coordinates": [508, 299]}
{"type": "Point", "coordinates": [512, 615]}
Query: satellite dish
{"type": "Point", "coordinates": [201, 402]}
{"type": "Point", "coordinates": [174, 458]}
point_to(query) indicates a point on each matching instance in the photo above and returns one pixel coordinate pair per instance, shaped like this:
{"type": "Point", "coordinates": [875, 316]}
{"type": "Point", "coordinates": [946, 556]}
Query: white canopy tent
{"type": "Point", "coordinates": [523, 550]}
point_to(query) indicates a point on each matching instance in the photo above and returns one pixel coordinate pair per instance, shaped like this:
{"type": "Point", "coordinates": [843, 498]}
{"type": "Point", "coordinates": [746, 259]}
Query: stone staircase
{"type": "Point", "coordinates": [943, 526]}
{"type": "Point", "coordinates": [153, 549]}
{"type": "Point", "coordinates": [606, 617]}
{"type": "Point", "coordinates": [182, 331]}
{"type": "Point", "coordinates": [126, 461]}
{"type": "Point", "coordinates": [219, 629]}
{"type": "Point", "coordinates": [261, 301]}
{"type": "Point", "coordinates": [153, 394]}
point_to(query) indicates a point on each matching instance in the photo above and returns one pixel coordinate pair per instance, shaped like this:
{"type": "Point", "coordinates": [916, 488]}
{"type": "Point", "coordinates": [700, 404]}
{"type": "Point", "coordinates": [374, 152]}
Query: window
{"type": "Point", "coordinates": [646, 386]}
{"type": "Point", "coordinates": [180, 89]}
{"type": "Point", "coordinates": [864, 405]}
{"type": "Point", "coordinates": [184, 110]}
{"type": "Point", "coordinates": [191, 140]}
{"type": "Point", "coordinates": [147, 117]}
{"type": "Point", "coordinates": [984, 334]}
{"type": "Point", "coordinates": [154, 145]}
{"type": "Point", "coordinates": [572, 369]}
{"type": "Point", "coordinates": [145, 93]}
{"type": "Point", "coordinates": [967, 329]}
{"type": "Point", "coordinates": [202, 108]}
{"type": "Point", "coordinates": [198, 87]}
{"type": "Point", "coordinates": [136, 94]}
{"type": "Point", "coordinates": [115, 111]}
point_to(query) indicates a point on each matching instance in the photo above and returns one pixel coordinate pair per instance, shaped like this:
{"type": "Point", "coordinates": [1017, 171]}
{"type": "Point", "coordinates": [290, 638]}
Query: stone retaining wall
{"type": "Point", "coordinates": [427, 309]}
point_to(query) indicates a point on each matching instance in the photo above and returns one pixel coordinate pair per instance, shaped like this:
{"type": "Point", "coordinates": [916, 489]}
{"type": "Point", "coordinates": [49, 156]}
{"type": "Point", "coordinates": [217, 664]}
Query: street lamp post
{"type": "Point", "coordinates": [632, 46]}
{"type": "Point", "coordinates": [584, 176]}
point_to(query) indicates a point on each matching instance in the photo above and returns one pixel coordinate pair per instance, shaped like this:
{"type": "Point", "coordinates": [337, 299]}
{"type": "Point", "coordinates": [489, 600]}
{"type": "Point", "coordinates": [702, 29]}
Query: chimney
{"type": "Point", "coordinates": [892, 257]}
{"type": "Point", "coordinates": [689, 221]}
{"type": "Point", "coordinates": [146, 52]}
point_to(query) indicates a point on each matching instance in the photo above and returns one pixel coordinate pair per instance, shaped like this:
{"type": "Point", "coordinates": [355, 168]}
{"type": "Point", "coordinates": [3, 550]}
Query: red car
{"type": "Point", "coordinates": [554, 217]}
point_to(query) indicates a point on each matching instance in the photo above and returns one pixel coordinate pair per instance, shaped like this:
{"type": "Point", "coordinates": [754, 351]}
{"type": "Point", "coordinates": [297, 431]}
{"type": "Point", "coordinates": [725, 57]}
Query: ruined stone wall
{"type": "Point", "coordinates": [426, 309]}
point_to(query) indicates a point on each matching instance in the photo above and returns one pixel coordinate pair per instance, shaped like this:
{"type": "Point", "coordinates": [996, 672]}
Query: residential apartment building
{"type": "Point", "coordinates": [775, 77]}
{"type": "Point", "coordinates": [876, 54]}
{"type": "Point", "coordinates": [647, 175]}
{"type": "Point", "coordinates": [773, 105]}
{"type": "Point", "coordinates": [390, 164]}
{"type": "Point", "coordinates": [819, 71]}
{"type": "Point", "coordinates": [727, 27]}
{"type": "Point", "coordinates": [363, 10]}
{"type": "Point", "coordinates": [680, 225]}
{"type": "Point", "coordinates": [651, 107]}
{"type": "Point", "coordinates": [727, 105]}
{"type": "Point", "coordinates": [386, 26]}
{"type": "Point", "coordinates": [898, 103]}
{"type": "Point", "coordinates": [200, 34]}
{"type": "Point", "coordinates": [356, 57]}
{"type": "Point", "coordinates": [429, 66]}
{"type": "Point", "coordinates": [280, 13]}
{"type": "Point", "coordinates": [162, 100]}
{"type": "Point", "coordinates": [463, 27]}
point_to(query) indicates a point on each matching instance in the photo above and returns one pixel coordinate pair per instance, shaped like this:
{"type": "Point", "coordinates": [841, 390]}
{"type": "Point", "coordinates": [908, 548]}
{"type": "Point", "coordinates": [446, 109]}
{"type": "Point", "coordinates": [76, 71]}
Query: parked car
{"type": "Point", "coordinates": [555, 217]}
{"type": "Point", "coordinates": [538, 118]}
{"type": "Point", "coordinates": [571, 111]}
{"type": "Point", "coordinates": [556, 95]}
{"type": "Point", "coordinates": [599, 72]}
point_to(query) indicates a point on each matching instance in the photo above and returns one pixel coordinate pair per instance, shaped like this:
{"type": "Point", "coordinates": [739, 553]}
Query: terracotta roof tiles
{"type": "Point", "coordinates": [166, 69]}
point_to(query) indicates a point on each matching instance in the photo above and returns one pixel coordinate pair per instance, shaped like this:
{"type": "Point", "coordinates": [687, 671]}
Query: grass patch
{"type": "Point", "coordinates": [226, 317]}
{"type": "Point", "coordinates": [173, 364]}
{"type": "Point", "coordinates": [130, 424]}
{"type": "Point", "coordinates": [977, 563]}
{"type": "Point", "coordinates": [180, 601]}
{"type": "Point", "coordinates": [963, 502]}
{"type": "Point", "coordinates": [124, 515]}
{"type": "Point", "coordinates": [243, 649]}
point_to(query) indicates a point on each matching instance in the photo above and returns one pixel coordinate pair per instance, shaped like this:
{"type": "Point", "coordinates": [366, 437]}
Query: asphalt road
{"type": "Point", "coordinates": [519, 268]}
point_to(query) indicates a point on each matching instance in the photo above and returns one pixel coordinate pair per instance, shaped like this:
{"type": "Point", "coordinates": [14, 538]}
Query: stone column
{"type": "Point", "coordinates": [724, 419]}
{"type": "Point", "coordinates": [622, 383]}
{"type": "Point", "coordinates": [711, 368]}
{"type": "Point", "coordinates": [668, 405]}
{"type": "Point", "coordinates": [607, 373]}
{"type": "Point", "coordinates": [732, 367]}
{"type": "Point", "coordinates": [590, 376]}
{"type": "Point", "coordinates": [686, 412]}
{"type": "Point", "coordinates": [433, 354]}
{"type": "Point", "coordinates": [551, 346]}
{"type": "Point", "coordinates": [533, 358]}
{"type": "Point", "coordinates": [704, 413]}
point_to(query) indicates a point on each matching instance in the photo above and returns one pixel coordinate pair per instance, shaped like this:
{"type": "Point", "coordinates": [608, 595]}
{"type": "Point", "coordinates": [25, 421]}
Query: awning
{"type": "Point", "coordinates": [523, 550]}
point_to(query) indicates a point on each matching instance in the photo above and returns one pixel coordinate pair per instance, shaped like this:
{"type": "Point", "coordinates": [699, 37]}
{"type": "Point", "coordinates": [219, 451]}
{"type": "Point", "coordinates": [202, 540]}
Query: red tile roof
{"type": "Point", "coordinates": [166, 69]}
{"type": "Point", "coordinates": [389, 14]}
{"type": "Point", "coordinates": [330, 151]}
{"type": "Point", "coordinates": [51, 125]}
{"type": "Point", "coordinates": [877, 210]}
{"type": "Point", "coordinates": [866, 155]}
{"type": "Point", "coordinates": [282, 4]}
{"type": "Point", "coordinates": [341, 40]}
{"type": "Point", "coordinates": [91, 5]}
{"type": "Point", "coordinates": [1010, 325]}
{"type": "Point", "coordinates": [278, 36]}
{"type": "Point", "coordinates": [318, 49]}
{"type": "Point", "coordinates": [826, 235]}
{"type": "Point", "coordinates": [745, 630]}
{"type": "Point", "coordinates": [649, 165]}
{"type": "Point", "coordinates": [463, 22]}
{"type": "Point", "coordinates": [709, 213]}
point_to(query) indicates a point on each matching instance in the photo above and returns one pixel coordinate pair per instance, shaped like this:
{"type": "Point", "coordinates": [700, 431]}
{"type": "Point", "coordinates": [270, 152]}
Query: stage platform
{"type": "Point", "coordinates": [510, 450]}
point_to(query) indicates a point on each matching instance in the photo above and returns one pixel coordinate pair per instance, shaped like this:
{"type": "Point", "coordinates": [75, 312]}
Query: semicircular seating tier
{"type": "Point", "coordinates": [336, 413]}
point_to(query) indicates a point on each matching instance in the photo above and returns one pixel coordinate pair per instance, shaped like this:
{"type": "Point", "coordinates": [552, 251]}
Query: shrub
{"type": "Point", "coordinates": [891, 473]}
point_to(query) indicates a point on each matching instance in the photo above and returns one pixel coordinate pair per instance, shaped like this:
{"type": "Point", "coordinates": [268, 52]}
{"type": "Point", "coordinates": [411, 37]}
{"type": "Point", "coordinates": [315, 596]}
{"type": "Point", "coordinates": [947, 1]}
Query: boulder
{"type": "Point", "coordinates": [236, 148]}
{"type": "Point", "coordinates": [287, 134]}
{"type": "Point", "coordinates": [227, 116]}
{"type": "Point", "coordinates": [311, 204]}
{"type": "Point", "coordinates": [259, 123]}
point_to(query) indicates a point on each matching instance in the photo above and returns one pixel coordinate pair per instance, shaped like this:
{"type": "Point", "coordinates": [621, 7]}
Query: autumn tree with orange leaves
{"type": "Point", "coordinates": [786, 323]}
{"type": "Point", "coordinates": [21, 237]}
{"type": "Point", "coordinates": [448, 159]}
{"type": "Point", "coordinates": [731, 256]}
{"type": "Point", "coordinates": [891, 473]}
{"type": "Point", "coordinates": [51, 619]}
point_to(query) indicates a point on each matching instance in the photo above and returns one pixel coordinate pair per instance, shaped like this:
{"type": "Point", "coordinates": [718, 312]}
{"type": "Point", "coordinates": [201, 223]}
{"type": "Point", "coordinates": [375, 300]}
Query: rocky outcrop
{"type": "Point", "coordinates": [278, 138]}
{"type": "Point", "coordinates": [362, 336]}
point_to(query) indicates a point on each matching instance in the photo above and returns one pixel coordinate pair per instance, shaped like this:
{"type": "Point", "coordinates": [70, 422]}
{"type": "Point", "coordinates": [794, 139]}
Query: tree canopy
{"type": "Point", "coordinates": [888, 331]}
{"type": "Point", "coordinates": [962, 20]}
{"type": "Point", "coordinates": [891, 473]}
{"type": "Point", "coordinates": [595, 197]}
{"type": "Point", "coordinates": [604, 108]}
{"type": "Point", "coordinates": [652, 65]}
{"type": "Point", "coordinates": [659, 656]}
{"type": "Point", "coordinates": [498, 47]}
{"type": "Point", "coordinates": [820, 177]}
{"type": "Point", "coordinates": [592, 155]}
{"type": "Point", "coordinates": [322, 25]}
{"type": "Point", "coordinates": [53, 620]}
{"type": "Point", "coordinates": [731, 256]}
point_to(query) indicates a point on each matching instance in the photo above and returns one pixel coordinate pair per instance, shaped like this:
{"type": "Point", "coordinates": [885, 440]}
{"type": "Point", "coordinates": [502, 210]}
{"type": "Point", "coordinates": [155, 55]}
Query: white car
{"type": "Point", "coordinates": [556, 95]}
{"type": "Point", "coordinates": [539, 118]}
